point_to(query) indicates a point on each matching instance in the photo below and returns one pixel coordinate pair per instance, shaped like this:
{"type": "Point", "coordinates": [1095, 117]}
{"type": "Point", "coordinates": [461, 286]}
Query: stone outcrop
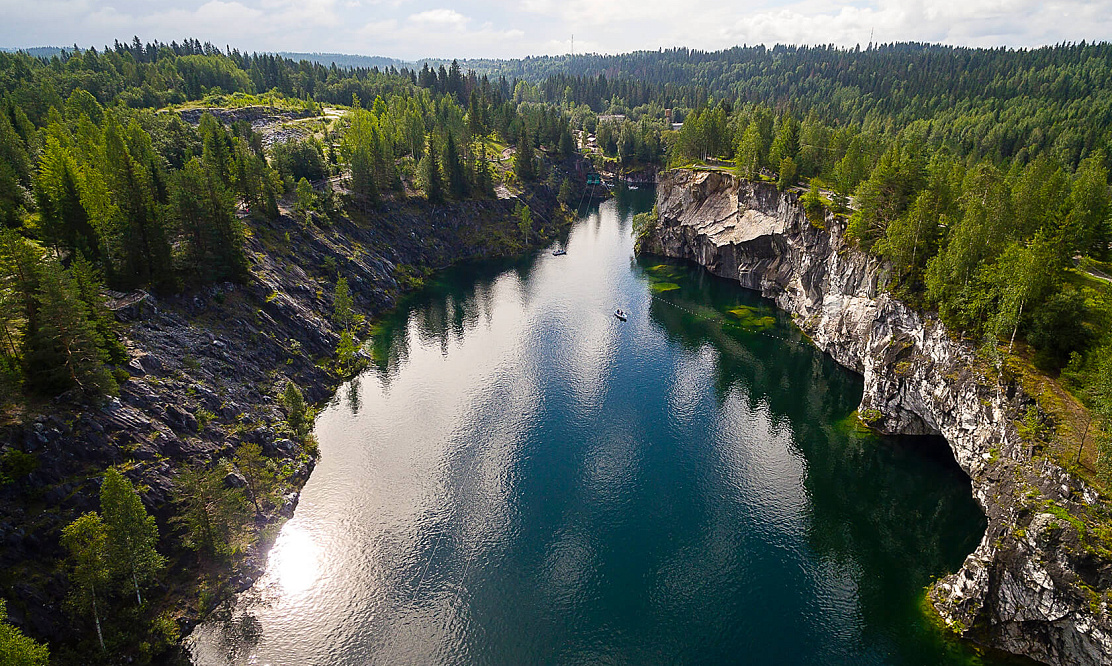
{"type": "Point", "coordinates": [1039, 582]}
{"type": "Point", "coordinates": [205, 371]}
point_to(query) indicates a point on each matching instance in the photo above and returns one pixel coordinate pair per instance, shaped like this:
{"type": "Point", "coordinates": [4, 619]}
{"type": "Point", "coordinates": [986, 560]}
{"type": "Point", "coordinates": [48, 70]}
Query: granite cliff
{"type": "Point", "coordinates": [1040, 582]}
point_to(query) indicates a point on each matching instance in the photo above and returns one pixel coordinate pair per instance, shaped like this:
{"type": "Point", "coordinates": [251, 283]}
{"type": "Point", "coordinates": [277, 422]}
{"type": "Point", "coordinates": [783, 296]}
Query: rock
{"type": "Point", "coordinates": [1023, 593]}
{"type": "Point", "coordinates": [234, 480]}
{"type": "Point", "coordinates": [135, 367]}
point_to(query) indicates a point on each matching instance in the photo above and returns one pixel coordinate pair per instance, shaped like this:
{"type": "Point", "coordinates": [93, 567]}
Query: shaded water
{"type": "Point", "coordinates": [522, 478]}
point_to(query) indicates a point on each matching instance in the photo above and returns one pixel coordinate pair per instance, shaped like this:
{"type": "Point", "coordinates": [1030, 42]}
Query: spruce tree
{"type": "Point", "coordinates": [147, 250]}
{"type": "Point", "coordinates": [453, 168]}
{"type": "Point", "coordinates": [298, 415]}
{"type": "Point", "coordinates": [524, 168]}
{"type": "Point", "coordinates": [484, 180]}
{"type": "Point", "coordinates": [363, 185]}
{"type": "Point", "coordinates": [430, 171]}
{"type": "Point", "coordinates": [64, 349]}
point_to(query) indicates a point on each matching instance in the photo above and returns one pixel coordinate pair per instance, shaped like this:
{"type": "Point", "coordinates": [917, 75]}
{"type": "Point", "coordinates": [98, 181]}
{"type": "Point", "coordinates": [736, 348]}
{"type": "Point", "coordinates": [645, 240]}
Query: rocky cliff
{"type": "Point", "coordinates": [1039, 582]}
{"type": "Point", "coordinates": [205, 371]}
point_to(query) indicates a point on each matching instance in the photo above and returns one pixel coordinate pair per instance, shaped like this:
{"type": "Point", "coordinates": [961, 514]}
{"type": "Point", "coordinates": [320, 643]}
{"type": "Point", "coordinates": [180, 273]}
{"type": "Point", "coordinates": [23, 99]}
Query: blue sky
{"type": "Point", "coordinates": [411, 29]}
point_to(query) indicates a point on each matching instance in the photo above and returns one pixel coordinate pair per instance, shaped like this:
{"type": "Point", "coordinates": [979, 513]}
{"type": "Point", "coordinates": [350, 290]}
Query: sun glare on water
{"type": "Point", "coordinates": [295, 560]}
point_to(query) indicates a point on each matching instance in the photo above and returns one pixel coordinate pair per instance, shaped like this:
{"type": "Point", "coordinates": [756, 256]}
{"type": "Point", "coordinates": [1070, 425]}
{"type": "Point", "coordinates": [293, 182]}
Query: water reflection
{"type": "Point", "coordinates": [294, 560]}
{"type": "Point", "coordinates": [522, 478]}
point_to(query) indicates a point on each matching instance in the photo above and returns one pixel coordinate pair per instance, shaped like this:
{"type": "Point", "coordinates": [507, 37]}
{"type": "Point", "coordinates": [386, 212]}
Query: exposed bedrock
{"type": "Point", "coordinates": [1036, 585]}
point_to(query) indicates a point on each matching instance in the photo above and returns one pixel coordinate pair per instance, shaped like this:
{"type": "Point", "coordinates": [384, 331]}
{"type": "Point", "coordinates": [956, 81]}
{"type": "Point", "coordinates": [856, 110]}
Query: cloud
{"type": "Point", "coordinates": [441, 18]}
{"type": "Point", "coordinates": [513, 28]}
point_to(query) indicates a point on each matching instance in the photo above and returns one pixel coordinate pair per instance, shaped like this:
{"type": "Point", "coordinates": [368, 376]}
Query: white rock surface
{"type": "Point", "coordinates": [1032, 586]}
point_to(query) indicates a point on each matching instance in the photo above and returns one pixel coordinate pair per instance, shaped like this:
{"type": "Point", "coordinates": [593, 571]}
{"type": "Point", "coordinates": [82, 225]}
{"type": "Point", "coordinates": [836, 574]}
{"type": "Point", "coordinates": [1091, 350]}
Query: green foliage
{"type": "Point", "coordinates": [431, 179]}
{"type": "Point", "coordinates": [566, 193]}
{"type": "Point", "coordinates": [524, 217]}
{"type": "Point", "coordinates": [814, 206]}
{"type": "Point", "coordinates": [86, 542]}
{"type": "Point", "coordinates": [298, 414]}
{"type": "Point", "coordinates": [212, 514]}
{"type": "Point", "coordinates": [15, 465]}
{"type": "Point", "coordinates": [132, 533]}
{"type": "Point", "coordinates": [64, 349]}
{"type": "Point", "coordinates": [788, 174]}
{"type": "Point", "coordinates": [299, 159]}
{"type": "Point", "coordinates": [306, 201]}
{"type": "Point", "coordinates": [347, 351]}
{"type": "Point", "coordinates": [212, 248]}
{"type": "Point", "coordinates": [343, 310]}
{"type": "Point", "coordinates": [524, 167]}
{"type": "Point", "coordinates": [750, 151]}
{"type": "Point", "coordinates": [17, 649]}
{"type": "Point", "coordinates": [259, 472]}
{"type": "Point", "coordinates": [643, 225]}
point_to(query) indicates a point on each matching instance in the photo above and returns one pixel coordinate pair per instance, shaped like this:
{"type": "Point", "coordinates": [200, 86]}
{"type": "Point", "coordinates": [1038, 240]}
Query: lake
{"type": "Point", "coordinates": [521, 478]}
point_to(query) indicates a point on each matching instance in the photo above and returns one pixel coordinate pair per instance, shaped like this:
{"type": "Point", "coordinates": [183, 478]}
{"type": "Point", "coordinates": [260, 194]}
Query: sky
{"type": "Point", "coordinates": [412, 29]}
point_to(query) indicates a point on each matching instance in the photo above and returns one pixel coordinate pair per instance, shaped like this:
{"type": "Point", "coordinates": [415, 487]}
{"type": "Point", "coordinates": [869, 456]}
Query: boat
{"type": "Point", "coordinates": [619, 314]}
{"type": "Point", "coordinates": [559, 253]}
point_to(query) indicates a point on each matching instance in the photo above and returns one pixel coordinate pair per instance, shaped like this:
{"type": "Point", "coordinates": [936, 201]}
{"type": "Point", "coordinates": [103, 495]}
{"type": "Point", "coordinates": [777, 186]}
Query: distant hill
{"type": "Point", "coordinates": [36, 51]}
{"type": "Point", "coordinates": [346, 60]}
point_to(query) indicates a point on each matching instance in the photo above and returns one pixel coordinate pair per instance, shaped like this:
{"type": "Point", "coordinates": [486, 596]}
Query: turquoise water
{"type": "Point", "coordinates": [524, 479]}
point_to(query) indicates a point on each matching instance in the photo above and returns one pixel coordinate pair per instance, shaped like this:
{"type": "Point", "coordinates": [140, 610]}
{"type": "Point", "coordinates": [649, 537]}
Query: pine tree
{"type": "Point", "coordinates": [259, 473]}
{"type": "Point", "coordinates": [430, 172]}
{"type": "Point", "coordinates": [453, 168]}
{"type": "Point", "coordinates": [86, 540]}
{"type": "Point", "coordinates": [213, 514]}
{"type": "Point", "coordinates": [64, 349]}
{"type": "Point", "coordinates": [298, 415]}
{"type": "Point", "coordinates": [132, 533]}
{"type": "Point", "coordinates": [524, 168]}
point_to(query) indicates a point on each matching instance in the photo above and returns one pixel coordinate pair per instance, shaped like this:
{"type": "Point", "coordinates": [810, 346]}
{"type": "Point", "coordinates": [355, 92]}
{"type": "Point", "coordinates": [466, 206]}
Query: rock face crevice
{"type": "Point", "coordinates": [1035, 585]}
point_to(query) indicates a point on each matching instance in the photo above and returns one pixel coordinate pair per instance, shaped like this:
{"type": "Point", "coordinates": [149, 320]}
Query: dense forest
{"type": "Point", "coordinates": [127, 170]}
{"type": "Point", "coordinates": [980, 175]}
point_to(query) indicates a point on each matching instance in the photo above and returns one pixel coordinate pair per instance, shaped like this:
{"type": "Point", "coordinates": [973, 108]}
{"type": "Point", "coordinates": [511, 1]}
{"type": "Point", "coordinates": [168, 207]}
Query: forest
{"type": "Point", "coordinates": [980, 175]}
{"type": "Point", "coordinates": [106, 190]}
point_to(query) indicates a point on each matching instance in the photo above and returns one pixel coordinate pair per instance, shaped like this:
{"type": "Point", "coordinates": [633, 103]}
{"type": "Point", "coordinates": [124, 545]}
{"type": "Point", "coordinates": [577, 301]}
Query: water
{"type": "Point", "coordinates": [524, 479]}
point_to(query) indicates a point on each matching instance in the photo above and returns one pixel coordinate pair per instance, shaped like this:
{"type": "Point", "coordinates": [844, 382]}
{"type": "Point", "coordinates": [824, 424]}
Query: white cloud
{"type": "Point", "coordinates": [441, 18]}
{"type": "Point", "coordinates": [510, 28]}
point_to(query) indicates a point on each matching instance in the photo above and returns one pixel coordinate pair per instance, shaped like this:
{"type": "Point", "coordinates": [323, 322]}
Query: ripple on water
{"type": "Point", "coordinates": [524, 479]}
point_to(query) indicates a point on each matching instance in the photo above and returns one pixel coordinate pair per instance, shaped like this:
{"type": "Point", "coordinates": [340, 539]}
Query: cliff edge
{"type": "Point", "coordinates": [1040, 582]}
